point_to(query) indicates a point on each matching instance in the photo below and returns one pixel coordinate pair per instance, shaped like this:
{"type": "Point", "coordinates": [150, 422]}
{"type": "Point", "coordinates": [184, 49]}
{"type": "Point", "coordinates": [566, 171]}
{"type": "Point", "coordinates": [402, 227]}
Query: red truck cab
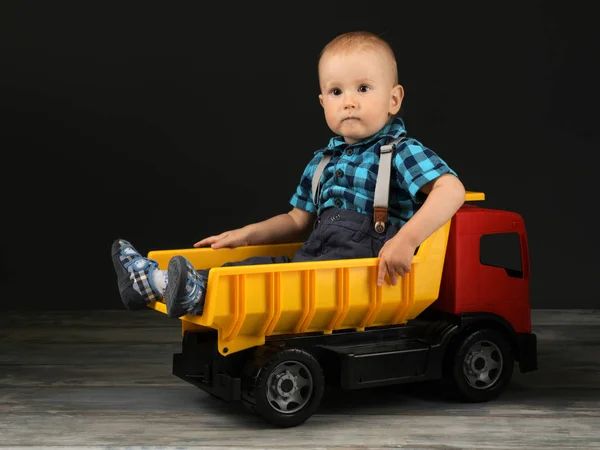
{"type": "Point", "coordinates": [473, 281]}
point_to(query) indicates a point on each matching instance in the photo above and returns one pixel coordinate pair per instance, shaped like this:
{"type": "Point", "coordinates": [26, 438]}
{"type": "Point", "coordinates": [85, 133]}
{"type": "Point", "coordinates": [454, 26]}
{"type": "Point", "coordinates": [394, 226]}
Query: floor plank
{"type": "Point", "coordinates": [104, 379]}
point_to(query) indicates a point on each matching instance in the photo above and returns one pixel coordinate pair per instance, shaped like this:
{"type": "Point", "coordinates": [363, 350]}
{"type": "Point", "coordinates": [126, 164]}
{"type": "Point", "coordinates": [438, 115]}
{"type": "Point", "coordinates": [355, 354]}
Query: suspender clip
{"type": "Point", "coordinates": [380, 227]}
{"type": "Point", "coordinates": [387, 148]}
{"type": "Point", "coordinates": [380, 218]}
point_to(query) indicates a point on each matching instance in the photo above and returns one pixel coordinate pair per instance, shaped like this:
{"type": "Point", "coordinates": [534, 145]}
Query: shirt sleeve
{"type": "Point", "coordinates": [302, 198]}
{"type": "Point", "coordinates": [416, 165]}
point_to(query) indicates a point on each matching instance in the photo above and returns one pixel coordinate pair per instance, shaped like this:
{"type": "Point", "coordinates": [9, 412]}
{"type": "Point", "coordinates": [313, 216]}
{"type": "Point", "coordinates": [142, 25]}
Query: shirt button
{"type": "Point", "coordinates": [350, 152]}
{"type": "Point", "coordinates": [338, 202]}
{"type": "Point", "coordinates": [339, 173]}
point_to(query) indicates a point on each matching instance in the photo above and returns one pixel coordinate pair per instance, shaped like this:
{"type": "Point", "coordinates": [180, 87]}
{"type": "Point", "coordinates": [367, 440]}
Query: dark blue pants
{"type": "Point", "coordinates": [337, 234]}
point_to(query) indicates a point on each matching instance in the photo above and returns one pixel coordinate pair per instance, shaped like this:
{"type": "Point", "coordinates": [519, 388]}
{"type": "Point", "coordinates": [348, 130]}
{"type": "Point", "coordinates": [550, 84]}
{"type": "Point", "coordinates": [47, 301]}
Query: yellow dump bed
{"type": "Point", "coordinates": [246, 304]}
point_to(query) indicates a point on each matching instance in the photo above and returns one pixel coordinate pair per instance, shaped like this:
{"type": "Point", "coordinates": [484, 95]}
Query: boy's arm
{"type": "Point", "coordinates": [445, 195]}
{"type": "Point", "coordinates": [278, 229]}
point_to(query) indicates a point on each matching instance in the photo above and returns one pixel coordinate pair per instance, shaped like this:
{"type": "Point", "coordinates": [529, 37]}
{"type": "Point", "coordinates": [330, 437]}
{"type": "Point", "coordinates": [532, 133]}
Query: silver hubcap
{"type": "Point", "coordinates": [289, 387]}
{"type": "Point", "coordinates": [483, 365]}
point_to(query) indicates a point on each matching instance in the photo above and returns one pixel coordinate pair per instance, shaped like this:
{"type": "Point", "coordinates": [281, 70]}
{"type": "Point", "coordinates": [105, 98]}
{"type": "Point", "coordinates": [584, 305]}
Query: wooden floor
{"type": "Point", "coordinates": [104, 379]}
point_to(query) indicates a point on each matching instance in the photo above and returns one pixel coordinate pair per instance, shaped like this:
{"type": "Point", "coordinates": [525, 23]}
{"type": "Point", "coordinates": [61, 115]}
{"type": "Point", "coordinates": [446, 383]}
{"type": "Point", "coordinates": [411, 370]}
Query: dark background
{"type": "Point", "coordinates": [163, 123]}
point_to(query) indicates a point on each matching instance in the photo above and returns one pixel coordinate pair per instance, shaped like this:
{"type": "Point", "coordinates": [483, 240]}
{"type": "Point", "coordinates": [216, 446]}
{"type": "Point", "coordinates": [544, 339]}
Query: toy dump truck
{"type": "Point", "coordinates": [273, 335]}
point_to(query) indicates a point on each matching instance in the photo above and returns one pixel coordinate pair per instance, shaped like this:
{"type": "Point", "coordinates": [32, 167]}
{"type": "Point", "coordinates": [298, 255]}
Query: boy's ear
{"type": "Point", "coordinates": [396, 97]}
{"type": "Point", "coordinates": [321, 99]}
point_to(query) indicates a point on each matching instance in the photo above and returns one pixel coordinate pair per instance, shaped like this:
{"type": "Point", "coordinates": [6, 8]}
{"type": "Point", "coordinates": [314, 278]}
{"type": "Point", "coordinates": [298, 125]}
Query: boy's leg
{"type": "Point", "coordinates": [139, 279]}
{"type": "Point", "coordinates": [186, 290]}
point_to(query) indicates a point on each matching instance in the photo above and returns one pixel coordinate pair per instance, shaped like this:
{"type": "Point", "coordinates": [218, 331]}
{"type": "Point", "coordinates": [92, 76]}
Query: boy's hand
{"type": "Point", "coordinates": [396, 257]}
{"type": "Point", "coordinates": [229, 239]}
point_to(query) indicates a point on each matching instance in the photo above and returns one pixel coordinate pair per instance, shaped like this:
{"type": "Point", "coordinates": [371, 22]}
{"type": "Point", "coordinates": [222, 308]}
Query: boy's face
{"type": "Point", "coordinates": [358, 92]}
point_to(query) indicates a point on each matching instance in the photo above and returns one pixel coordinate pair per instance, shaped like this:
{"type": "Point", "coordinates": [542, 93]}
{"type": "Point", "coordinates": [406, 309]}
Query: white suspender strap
{"type": "Point", "coordinates": [316, 181]}
{"type": "Point", "coordinates": [382, 185]}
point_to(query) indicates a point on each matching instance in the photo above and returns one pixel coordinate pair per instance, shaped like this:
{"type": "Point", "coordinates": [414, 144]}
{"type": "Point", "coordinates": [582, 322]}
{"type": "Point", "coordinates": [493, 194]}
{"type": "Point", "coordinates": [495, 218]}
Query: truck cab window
{"type": "Point", "coordinates": [502, 250]}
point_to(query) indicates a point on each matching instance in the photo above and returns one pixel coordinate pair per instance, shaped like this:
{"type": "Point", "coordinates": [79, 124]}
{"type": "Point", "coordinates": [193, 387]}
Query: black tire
{"type": "Point", "coordinates": [480, 365]}
{"type": "Point", "coordinates": [283, 387]}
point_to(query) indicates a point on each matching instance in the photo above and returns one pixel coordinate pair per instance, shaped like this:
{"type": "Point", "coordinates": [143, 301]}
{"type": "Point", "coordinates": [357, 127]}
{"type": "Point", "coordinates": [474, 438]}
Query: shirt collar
{"type": "Point", "coordinates": [393, 129]}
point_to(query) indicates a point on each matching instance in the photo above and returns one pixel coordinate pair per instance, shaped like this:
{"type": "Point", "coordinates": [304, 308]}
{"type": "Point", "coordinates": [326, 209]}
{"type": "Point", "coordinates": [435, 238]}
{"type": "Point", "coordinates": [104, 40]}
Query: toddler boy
{"type": "Point", "coordinates": [339, 193]}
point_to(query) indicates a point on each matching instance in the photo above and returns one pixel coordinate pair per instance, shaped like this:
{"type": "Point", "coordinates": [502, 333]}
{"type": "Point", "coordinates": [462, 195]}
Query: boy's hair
{"type": "Point", "coordinates": [358, 40]}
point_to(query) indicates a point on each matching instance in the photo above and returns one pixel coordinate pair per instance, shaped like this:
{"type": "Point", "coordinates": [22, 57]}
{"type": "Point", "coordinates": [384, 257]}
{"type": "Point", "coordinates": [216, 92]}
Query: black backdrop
{"type": "Point", "coordinates": [163, 123]}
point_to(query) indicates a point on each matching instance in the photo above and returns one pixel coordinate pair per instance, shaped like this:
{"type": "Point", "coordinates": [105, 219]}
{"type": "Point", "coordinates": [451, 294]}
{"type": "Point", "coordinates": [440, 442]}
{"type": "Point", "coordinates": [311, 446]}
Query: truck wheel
{"type": "Point", "coordinates": [285, 389]}
{"type": "Point", "coordinates": [481, 365]}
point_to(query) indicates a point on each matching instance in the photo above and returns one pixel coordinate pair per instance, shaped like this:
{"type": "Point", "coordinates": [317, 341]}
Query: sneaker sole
{"type": "Point", "coordinates": [175, 291]}
{"type": "Point", "coordinates": [132, 300]}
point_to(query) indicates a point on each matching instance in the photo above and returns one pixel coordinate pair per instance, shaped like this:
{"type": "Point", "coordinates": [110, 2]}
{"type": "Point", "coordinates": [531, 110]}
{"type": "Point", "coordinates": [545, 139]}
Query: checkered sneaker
{"type": "Point", "coordinates": [185, 291]}
{"type": "Point", "coordinates": [134, 273]}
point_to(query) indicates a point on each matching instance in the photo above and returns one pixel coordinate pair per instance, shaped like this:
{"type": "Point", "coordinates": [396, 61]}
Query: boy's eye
{"type": "Point", "coordinates": [363, 88]}
{"type": "Point", "coordinates": [336, 91]}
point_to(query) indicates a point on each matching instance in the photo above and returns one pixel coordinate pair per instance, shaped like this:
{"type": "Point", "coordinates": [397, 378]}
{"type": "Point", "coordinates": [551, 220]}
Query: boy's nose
{"type": "Point", "coordinates": [349, 102]}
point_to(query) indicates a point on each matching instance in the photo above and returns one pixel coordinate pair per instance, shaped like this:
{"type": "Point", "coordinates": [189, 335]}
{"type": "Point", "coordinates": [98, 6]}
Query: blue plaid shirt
{"type": "Point", "coordinates": [348, 180]}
